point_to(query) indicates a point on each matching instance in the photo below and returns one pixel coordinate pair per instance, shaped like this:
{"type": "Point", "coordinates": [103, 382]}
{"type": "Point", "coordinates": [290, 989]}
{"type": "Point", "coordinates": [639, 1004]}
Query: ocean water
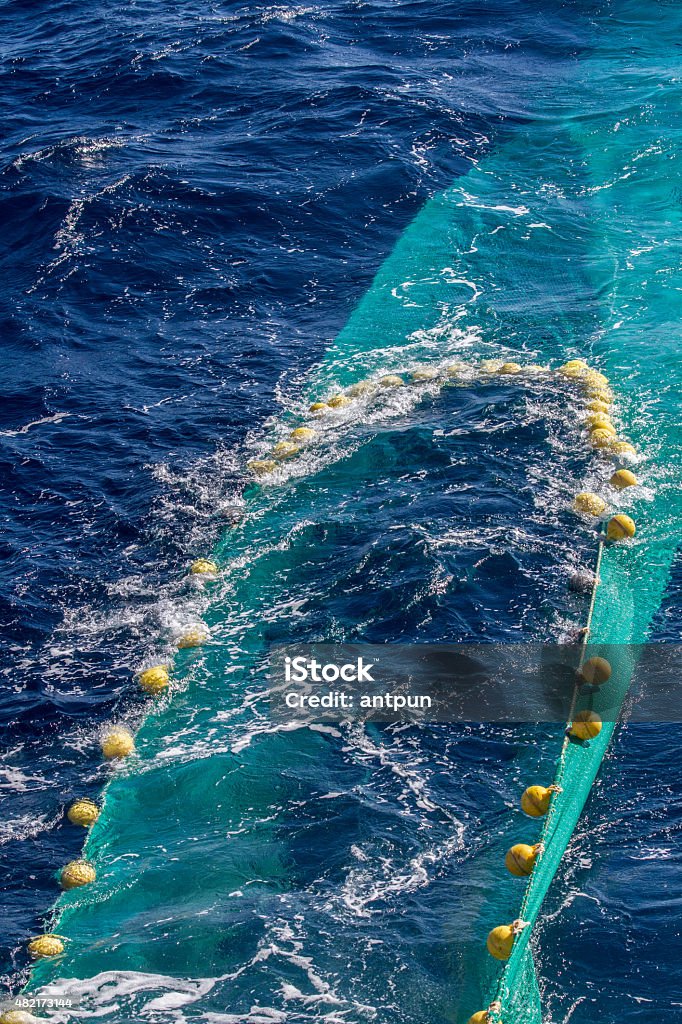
{"type": "Point", "coordinates": [210, 215]}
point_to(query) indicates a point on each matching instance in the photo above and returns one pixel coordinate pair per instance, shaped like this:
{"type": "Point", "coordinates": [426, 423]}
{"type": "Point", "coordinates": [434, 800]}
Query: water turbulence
{"type": "Point", "coordinates": [220, 854]}
{"type": "Point", "coordinates": [249, 871]}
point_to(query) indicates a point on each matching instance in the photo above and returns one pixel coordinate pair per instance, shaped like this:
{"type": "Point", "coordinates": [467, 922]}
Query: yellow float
{"type": "Point", "coordinates": [318, 407]}
{"type": "Point", "coordinates": [601, 438]}
{"type": "Point", "coordinates": [619, 527]}
{"type": "Point", "coordinates": [46, 945]}
{"type": "Point", "coordinates": [586, 725]}
{"type": "Point", "coordinates": [520, 859]}
{"type": "Point", "coordinates": [574, 368]}
{"type": "Point", "coordinates": [261, 467]}
{"type": "Point", "coordinates": [622, 448]}
{"type": "Point", "coordinates": [599, 394]}
{"type": "Point", "coordinates": [595, 671]}
{"type": "Point", "coordinates": [483, 1016]}
{"type": "Point", "coordinates": [363, 387]}
{"type": "Point", "coordinates": [154, 679]}
{"type": "Point", "coordinates": [391, 381]}
{"type": "Point", "coordinates": [17, 1017]}
{"type": "Point", "coordinates": [535, 800]}
{"type": "Point", "coordinates": [598, 420]}
{"type": "Point", "coordinates": [589, 504]}
{"type": "Point", "coordinates": [501, 939]}
{"type": "Point", "coordinates": [595, 379]}
{"type": "Point", "coordinates": [597, 405]}
{"type": "Point", "coordinates": [285, 450]}
{"type": "Point", "coordinates": [425, 373]}
{"type": "Point", "coordinates": [192, 638]}
{"type": "Point", "coordinates": [303, 434]}
{"type": "Point", "coordinates": [83, 812]}
{"type": "Point", "coordinates": [203, 567]}
{"type": "Point", "coordinates": [339, 401]}
{"type": "Point", "coordinates": [510, 368]}
{"type": "Point", "coordinates": [77, 873]}
{"type": "Point", "coordinates": [623, 478]}
{"type": "Point", "coordinates": [117, 743]}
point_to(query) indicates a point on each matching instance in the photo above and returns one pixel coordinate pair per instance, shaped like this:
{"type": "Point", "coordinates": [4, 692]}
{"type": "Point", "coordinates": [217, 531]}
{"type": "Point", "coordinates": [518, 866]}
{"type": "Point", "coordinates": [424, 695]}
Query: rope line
{"type": "Point", "coordinates": [492, 1015]}
{"type": "Point", "coordinates": [561, 761]}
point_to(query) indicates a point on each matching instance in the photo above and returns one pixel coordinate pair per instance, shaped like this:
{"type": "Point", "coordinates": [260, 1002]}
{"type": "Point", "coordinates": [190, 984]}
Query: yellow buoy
{"type": "Point", "coordinates": [46, 945]}
{"type": "Point", "coordinates": [599, 420]}
{"type": "Point", "coordinates": [203, 567]}
{"type": "Point", "coordinates": [520, 859]}
{"type": "Point", "coordinates": [510, 368]}
{"type": "Point", "coordinates": [154, 679]}
{"type": "Point", "coordinates": [17, 1017]}
{"type": "Point", "coordinates": [535, 800]}
{"type": "Point", "coordinates": [318, 407]}
{"type": "Point", "coordinates": [455, 369]}
{"type": "Point", "coordinates": [338, 402]}
{"type": "Point", "coordinates": [601, 438]}
{"type": "Point", "coordinates": [598, 392]}
{"type": "Point", "coordinates": [586, 725]}
{"type": "Point", "coordinates": [77, 873]}
{"type": "Point", "coordinates": [192, 638]}
{"type": "Point", "coordinates": [622, 448]}
{"type": "Point", "coordinates": [623, 478]}
{"type": "Point", "coordinates": [424, 373]}
{"type": "Point", "coordinates": [604, 425]}
{"type": "Point", "coordinates": [83, 812]}
{"type": "Point", "coordinates": [285, 450]}
{"type": "Point", "coordinates": [117, 743]}
{"type": "Point", "coordinates": [573, 368]}
{"type": "Point", "coordinates": [620, 526]}
{"type": "Point", "coordinates": [589, 503]}
{"type": "Point", "coordinates": [491, 365]}
{"type": "Point", "coordinates": [303, 434]}
{"type": "Point", "coordinates": [595, 379]}
{"type": "Point", "coordinates": [363, 387]}
{"type": "Point", "coordinates": [596, 671]}
{"type": "Point", "coordinates": [260, 467]}
{"type": "Point", "coordinates": [598, 406]}
{"type": "Point", "coordinates": [391, 381]}
{"type": "Point", "coordinates": [501, 939]}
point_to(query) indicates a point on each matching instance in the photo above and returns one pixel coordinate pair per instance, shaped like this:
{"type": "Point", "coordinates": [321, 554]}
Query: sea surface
{"type": "Point", "coordinates": [194, 200]}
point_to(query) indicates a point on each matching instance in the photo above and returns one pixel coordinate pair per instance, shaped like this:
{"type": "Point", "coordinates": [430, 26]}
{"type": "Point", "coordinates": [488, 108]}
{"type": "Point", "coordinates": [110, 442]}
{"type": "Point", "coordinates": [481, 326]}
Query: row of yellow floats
{"type": "Point", "coordinates": [599, 398]}
{"type": "Point", "coordinates": [117, 743]}
{"type": "Point", "coordinates": [536, 800]}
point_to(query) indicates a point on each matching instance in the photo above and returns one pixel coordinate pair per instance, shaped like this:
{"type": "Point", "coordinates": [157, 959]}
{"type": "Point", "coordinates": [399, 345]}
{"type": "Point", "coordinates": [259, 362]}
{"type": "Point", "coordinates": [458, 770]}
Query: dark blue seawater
{"type": "Point", "coordinates": [193, 198]}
